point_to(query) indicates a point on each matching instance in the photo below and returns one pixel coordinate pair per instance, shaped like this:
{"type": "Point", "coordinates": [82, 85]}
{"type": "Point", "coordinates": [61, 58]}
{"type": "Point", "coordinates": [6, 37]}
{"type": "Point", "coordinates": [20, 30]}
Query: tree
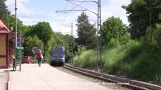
{"type": "Point", "coordinates": [69, 45]}
{"type": "Point", "coordinates": [54, 41]}
{"type": "Point", "coordinates": [59, 38]}
{"type": "Point", "coordinates": [43, 31]}
{"type": "Point", "coordinates": [21, 28]}
{"type": "Point", "coordinates": [3, 12]}
{"type": "Point", "coordinates": [30, 43]}
{"type": "Point", "coordinates": [140, 13]}
{"type": "Point", "coordinates": [86, 32]}
{"type": "Point", "coordinates": [113, 28]}
{"type": "Point", "coordinates": [67, 41]}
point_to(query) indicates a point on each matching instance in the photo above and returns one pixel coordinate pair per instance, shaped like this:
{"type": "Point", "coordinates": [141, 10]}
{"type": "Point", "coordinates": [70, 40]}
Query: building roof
{"type": "Point", "coordinates": [3, 28]}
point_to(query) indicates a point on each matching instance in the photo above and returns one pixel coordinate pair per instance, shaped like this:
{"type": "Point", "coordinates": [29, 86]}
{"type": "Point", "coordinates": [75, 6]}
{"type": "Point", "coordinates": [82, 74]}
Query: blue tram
{"type": "Point", "coordinates": [57, 56]}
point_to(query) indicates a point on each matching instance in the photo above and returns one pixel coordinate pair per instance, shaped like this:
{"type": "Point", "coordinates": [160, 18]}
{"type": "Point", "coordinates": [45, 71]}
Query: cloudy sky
{"type": "Point", "coordinates": [33, 11]}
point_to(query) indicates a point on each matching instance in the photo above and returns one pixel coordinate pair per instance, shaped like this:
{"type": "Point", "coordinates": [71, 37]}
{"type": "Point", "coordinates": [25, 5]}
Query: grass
{"type": "Point", "coordinates": [116, 60]}
{"type": "Point", "coordinates": [133, 59]}
{"type": "Point", "coordinates": [86, 60]}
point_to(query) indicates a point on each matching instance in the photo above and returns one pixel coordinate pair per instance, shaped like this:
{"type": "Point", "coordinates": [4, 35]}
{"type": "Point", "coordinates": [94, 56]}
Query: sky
{"type": "Point", "coordinates": [34, 11]}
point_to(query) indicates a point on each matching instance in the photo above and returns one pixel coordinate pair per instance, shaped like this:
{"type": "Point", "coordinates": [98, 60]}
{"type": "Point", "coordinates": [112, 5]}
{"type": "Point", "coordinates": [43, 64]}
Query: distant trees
{"type": "Point", "coordinates": [3, 11]}
{"type": "Point", "coordinates": [42, 36]}
{"type": "Point", "coordinates": [43, 32]}
{"type": "Point", "coordinates": [67, 41]}
{"type": "Point", "coordinates": [39, 35]}
{"type": "Point", "coordinates": [140, 14]}
{"type": "Point", "coordinates": [86, 32]}
{"type": "Point", "coordinates": [21, 28]}
{"type": "Point", "coordinates": [113, 28]}
{"type": "Point", "coordinates": [30, 43]}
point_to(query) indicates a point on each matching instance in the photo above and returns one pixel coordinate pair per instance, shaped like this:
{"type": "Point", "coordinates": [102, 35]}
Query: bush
{"type": "Point", "coordinates": [135, 59]}
{"type": "Point", "coordinates": [113, 43]}
{"type": "Point", "coordinates": [86, 60]}
{"type": "Point", "coordinates": [113, 59]}
{"type": "Point", "coordinates": [81, 50]}
{"type": "Point", "coordinates": [139, 60]}
{"type": "Point", "coordinates": [147, 64]}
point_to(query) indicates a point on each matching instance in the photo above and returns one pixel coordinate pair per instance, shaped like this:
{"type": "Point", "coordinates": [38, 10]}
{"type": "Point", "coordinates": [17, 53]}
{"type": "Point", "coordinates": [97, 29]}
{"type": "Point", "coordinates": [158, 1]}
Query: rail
{"type": "Point", "coordinates": [132, 84]}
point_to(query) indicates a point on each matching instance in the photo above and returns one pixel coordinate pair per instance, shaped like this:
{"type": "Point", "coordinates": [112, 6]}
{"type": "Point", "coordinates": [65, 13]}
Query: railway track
{"type": "Point", "coordinates": [94, 80]}
{"type": "Point", "coordinates": [123, 82]}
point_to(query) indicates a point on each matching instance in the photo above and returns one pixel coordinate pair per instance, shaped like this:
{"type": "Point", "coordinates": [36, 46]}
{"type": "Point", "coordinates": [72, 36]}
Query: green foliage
{"type": "Point", "coordinates": [113, 43]}
{"type": "Point", "coordinates": [20, 27]}
{"type": "Point", "coordinates": [152, 39]}
{"type": "Point", "coordinates": [86, 32]}
{"type": "Point", "coordinates": [113, 58]}
{"type": "Point", "coordinates": [81, 50]}
{"type": "Point", "coordinates": [86, 60]}
{"type": "Point", "coordinates": [3, 12]}
{"type": "Point", "coordinates": [113, 28]}
{"type": "Point", "coordinates": [57, 39]}
{"type": "Point", "coordinates": [29, 31]}
{"type": "Point", "coordinates": [134, 59]}
{"type": "Point", "coordinates": [67, 41]}
{"type": "Point", "coordinates": [147, 65]}
{"type": "Point", "coordinates": [139, 16]}
{"type": "Point", "coordinates": [70, 40]}
{"type": "Point", "coordinates": [30, 43]}
{"type": "Point", "coordinates": [43, 31]}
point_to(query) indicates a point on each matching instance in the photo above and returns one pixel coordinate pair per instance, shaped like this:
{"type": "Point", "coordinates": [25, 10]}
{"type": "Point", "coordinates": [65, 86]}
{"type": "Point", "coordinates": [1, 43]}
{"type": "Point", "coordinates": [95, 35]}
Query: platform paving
{"type": "Point", "coordinates": [33, 77]}
{"type": "Point", "coordinates": [3, 79]}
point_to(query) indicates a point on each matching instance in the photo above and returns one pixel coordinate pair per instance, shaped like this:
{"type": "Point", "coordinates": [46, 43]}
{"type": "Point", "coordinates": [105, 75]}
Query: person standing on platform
{"type": "Point", "coordinates": [39, 54]}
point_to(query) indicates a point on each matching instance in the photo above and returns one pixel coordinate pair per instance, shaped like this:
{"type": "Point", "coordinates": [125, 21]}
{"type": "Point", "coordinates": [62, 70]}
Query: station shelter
{"type": "Point", "coordinates": [7, 46]}
{"type": "Point", "coordinates": [4, 49]}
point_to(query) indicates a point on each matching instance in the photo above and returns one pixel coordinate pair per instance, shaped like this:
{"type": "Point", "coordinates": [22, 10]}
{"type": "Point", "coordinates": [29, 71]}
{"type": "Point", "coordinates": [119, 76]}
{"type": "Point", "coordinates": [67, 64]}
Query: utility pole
{"type": "Point", "coordinates": [15, 27]}
{"type": "Point", "coordinates": [99, 35]}
{"type": "Point", "coordinates": [14, 62]}
{"type": "Point", "coordinates": [20, 52]}
{"type": "Point", "coordinates": [72, 44]}
{"type": "Point", "coordinates": [99, 32]}
{"type": "Point", "coordinates": [16, 23]}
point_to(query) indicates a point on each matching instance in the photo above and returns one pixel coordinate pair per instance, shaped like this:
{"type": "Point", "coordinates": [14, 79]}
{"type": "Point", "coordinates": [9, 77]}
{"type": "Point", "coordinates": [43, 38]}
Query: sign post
{"type": "Point", "coordinates": [19, 53]}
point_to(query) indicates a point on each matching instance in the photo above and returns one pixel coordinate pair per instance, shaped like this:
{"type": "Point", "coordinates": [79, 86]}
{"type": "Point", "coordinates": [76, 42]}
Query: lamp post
{"type": "Point", "coordinates": [7, 16]}
{"type": "Point", "coordinates": [14, 62]}
{"type": "Point", "coordinates": [16, 22]}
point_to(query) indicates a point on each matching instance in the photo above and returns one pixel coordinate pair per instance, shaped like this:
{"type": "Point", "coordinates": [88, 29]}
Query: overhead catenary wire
{"type": "Point", "coordinates": [64, 17]}
{"type": "Point", "coordinates": [83, 7]}
{"type": "Point", "coordinates": [78, 4]}
{"type": "Point", "coordinates": [71, 9]}
{"type": "Point", "coordinates": [98, 14]}
{"type": "Point", "coordinates": [99, 33]}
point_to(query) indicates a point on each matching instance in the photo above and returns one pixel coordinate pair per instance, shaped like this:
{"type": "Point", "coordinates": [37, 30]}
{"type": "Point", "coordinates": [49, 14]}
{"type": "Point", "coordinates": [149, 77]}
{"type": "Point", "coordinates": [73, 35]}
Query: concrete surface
{"type": "Point", "coordinates": [3, 79]}
{"type": "Point", "coordinates": [46, 77]}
